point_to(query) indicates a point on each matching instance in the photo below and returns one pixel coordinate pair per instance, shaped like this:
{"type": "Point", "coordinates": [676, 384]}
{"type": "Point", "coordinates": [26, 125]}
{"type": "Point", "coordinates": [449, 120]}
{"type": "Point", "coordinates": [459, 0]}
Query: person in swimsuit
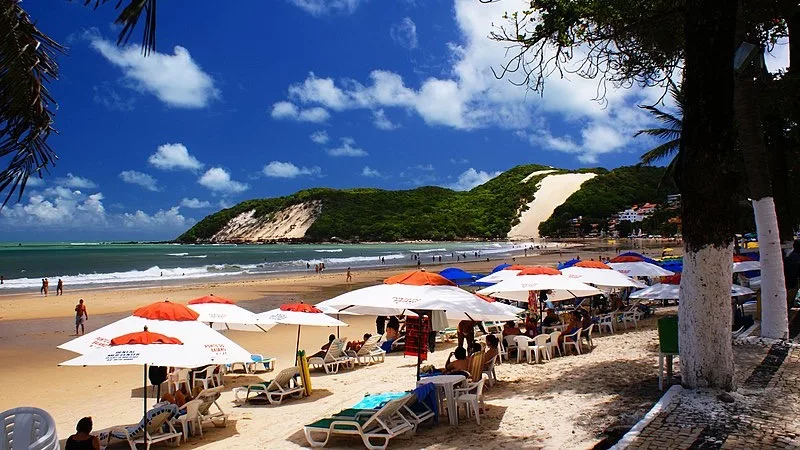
{"type": "Point", "coordinates": [83, 440]}
{"type": "Point", "coordinates": [81, 316]}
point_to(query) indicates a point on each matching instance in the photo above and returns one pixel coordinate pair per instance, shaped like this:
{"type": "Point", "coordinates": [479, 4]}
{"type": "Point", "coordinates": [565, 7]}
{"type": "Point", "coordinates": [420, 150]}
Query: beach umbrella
{"type": "Point", "coordinates": [500, 267]}
{"type": "Point", "coordinates": [224, 314]}
{"type": "Point", "coordinates": [458, 276]}
{"type": "Point", "coordinates": [663, 291]}
{"type": "Point", "coordinates": [743, 263]}
{"type": "Point", "coordinates": [635, 265]}
{"type": "Point", "coordinates": [599, 274]}
{"type": "Point", "coordinates": [560, 287]}
{"type": "Point", "coordinates": [169, 319]}
{"type": "Point", "coordinates": [503, 274]}
{"type": "Point", "coordinates": [145, 348]}
{"type": "Point", "coordinates": [569, 263]}
{"type": "Point", "coordinates": [300, 314]}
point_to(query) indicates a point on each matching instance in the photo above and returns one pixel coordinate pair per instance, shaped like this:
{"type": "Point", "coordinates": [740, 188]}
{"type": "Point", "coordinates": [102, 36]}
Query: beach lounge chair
{"type": "Point", "coordinates": [209, 398]}
{"type": "Point", "coordinates": [157, 419]}
{"type": "Point", "coordinates": [334, 358]}
{"type": "Point", "coordinates": [375, 428]}
{"type": "Point", "coordinates": [282, 386]}
{"type": "Point", "coordinates": [260, 363]}
{"type": "Point", "coordinates": [29, 429]}
{"type": "Point", "coordinates": [368, 353]}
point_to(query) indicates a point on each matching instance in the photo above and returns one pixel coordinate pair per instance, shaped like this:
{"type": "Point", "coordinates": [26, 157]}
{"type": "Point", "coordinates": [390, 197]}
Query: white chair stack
{"type": "Point", "coordinates": [28, 428]}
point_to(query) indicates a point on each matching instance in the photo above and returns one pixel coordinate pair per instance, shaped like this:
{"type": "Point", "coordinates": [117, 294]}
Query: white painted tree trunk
{"type": "Point", "coordinates": [774, 314]}
{"type": "Point", "coordinates": [704, 318]}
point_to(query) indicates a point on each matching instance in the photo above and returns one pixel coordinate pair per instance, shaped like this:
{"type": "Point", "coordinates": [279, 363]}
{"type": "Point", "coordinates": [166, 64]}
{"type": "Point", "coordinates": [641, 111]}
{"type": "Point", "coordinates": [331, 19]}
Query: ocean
{"type": "Point", "coordinates": [91, 264]}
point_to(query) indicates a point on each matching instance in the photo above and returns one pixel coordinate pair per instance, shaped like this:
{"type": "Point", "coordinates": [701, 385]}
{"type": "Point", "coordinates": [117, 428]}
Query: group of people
{"type": "Point", "coordinates": [45, 289]}
{"type": "Point", "coordinates": [461, 362]}
{"type": "Point", "coordinates": [579, 318]}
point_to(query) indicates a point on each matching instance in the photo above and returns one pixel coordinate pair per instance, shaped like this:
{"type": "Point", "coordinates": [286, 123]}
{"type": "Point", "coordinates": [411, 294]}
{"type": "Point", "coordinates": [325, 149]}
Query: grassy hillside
{"type": "Point", "coordinates": [487, 211]}
{"type": "Point", "coordinates": [609, 193]}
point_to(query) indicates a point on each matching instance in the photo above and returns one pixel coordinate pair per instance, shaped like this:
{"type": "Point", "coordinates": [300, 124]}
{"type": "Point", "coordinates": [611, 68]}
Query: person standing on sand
{"type": "Point", "coordinates": [81, 316]}
{"type": "Point", "coordinates": [349, 275]}
{"type": "Point", "coordinates": [45, 286]}
{"type": "Point", "coordinates": [60, 287]}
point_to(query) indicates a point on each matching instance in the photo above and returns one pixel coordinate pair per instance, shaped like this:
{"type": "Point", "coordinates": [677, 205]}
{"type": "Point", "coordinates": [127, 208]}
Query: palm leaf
{"type": "Point", "coordinates": [27, 65]}
{"type": "Point", "coordinates": [130, 16]}
{"type": "Point", "coordinates": [662, 133]}
{"type": "Point", "coordinates": [663, 151]}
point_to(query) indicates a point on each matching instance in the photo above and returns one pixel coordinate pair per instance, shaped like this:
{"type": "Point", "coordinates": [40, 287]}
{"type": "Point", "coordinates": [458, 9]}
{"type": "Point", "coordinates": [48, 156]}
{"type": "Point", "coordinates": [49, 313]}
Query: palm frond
{"type": "Point", "coordinates": [661, 133]}
{"type": "Point", "coordinates": [27, 65]}
{"type": "Point", "coordinates": [663, 151]}
{"type": "Point", "coordinates": [130, 16]}
{"type": "Point", "coordinates": [664, 117]}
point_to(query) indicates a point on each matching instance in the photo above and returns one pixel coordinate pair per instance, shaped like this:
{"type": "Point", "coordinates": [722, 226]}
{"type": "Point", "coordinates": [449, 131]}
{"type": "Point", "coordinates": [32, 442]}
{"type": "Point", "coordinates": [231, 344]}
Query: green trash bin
{"type": "Point", "coordinates": [668, 334]}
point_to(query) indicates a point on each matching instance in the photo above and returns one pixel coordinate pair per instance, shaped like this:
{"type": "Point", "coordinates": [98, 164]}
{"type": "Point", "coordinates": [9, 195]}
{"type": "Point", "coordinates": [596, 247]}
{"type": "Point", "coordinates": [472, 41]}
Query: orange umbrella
{"type": "Point", "coordinates": [419, 278]}
{"type": "Point", "coordinates": [593, 265]}
{"type": "Point", "coordinates": [166, 310]}
{"type": "Point", "coordinates": [210, 299]}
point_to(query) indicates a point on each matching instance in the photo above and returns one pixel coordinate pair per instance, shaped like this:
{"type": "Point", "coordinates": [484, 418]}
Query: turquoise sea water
{"type": "Point", "coordinates": [103, 264]}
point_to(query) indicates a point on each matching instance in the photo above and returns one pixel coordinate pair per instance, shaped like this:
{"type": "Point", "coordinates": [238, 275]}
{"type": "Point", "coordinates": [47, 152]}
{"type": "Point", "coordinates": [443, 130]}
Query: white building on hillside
{"type": "Point", "coordinates": [630, 215]}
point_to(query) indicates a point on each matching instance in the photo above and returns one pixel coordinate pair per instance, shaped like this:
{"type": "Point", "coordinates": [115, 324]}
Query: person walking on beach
{"type": "Point", "coordinates": [60, 287]}
{"type": "Point", "coordinates": [349, 275]}
{"type": "Point", "coordinates": [45, 286]}
{"type": "Point", "coordinates": [81, 316]}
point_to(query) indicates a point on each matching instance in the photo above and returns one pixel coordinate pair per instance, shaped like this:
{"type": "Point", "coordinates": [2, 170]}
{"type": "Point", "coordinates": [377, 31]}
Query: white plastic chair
{"type": "Point", "coordinates": [204, 376]}
{"type": "Point", "coordinates": [511, 344]}
{"type": "Point", "coordinates": [631, 316]}
{"type": "Point", "coordinates": [523, 347]}
{"type": "Point", "coordinates": [472, 399]}
{"type": "Point", "coordinates": [540, 347]}
{"type": "Point", "coordinates": [489, 370]}
{"type": "Point", "coordinates": [553, 344]}
{"type": "Point", "coordinates": [177, 378]}
{"type": "Point", "coordinates": [586, 333]}
{"type": "Point", "coordinates": [606, 321]}
{"type": "Point", "coordinates": [575, 341]}
{"type": "Point", "coordinates": [502, 351]}
{"type": "Point", "coordinates": [28, 428]}
{"type": "Point", "coordinates": [190, 419]}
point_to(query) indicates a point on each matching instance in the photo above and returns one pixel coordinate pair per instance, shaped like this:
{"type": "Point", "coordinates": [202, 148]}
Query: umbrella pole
{"type": "Point", "coordinates": [297, 346]}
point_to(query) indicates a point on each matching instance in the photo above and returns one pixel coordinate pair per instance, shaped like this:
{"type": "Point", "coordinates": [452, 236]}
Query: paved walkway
{"type": "Point", "coordinates": [765, 413]}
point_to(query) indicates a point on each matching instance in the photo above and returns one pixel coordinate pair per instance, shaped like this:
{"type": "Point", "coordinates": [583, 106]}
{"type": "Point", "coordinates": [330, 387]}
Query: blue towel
{"type": "Point", "coordinates": [426, 393]}
{"type": "Point", "coordinates": [376, 401]}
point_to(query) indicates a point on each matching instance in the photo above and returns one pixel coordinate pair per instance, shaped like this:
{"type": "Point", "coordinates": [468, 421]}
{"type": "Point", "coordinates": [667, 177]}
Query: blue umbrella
{"type": "Point", "coordinates": [500, 267]}
{"type": "Point", "coordinates": [569, 263]}
{"type": "Point", "coordinates": [458, 276]}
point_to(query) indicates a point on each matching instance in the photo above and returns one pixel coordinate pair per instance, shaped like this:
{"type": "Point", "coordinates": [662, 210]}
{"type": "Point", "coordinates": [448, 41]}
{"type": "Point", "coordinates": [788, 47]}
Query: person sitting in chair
{"type": "Point", "coordinates": [459, 364]}
{"type": "Point", "coordinates": [83, 440]}
{"type": "Point", "coordinates": [356, 345]}
{"type": "Point", "coordinates": [492, 349]}
{"type": "Point", "coordinates": [324, 348]}
{"type": "Point", "coordinates": [511, 329]}
{"type": "Point", "coordinates": [551, 318]}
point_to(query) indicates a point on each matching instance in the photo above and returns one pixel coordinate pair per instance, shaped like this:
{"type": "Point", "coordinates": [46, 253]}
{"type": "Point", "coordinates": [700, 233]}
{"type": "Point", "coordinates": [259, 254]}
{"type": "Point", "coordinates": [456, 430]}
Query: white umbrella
{"type": "Point", "coordinates": [640, 269]}
{"type": "Point", "coordinates": [223, 314]}
{"type": "Point", "coordinates": [166, 318]}
{"type": "Point", "coordinates": [664, 291]}
{"type": "Point", "coordinates": [300, 314]}
{"type": "Point", "coordinates": [746, 266]}
{"type": "Point", "coordinates": [600, 277]}
{"type": "Point", "coordinates": [561, 288]}
{"type": "Point", "coordinates": [500, 275]}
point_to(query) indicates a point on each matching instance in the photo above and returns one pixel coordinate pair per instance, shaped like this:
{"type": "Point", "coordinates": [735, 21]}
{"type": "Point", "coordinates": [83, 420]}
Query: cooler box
{"type": "Point", "coordinates": [668, 334]}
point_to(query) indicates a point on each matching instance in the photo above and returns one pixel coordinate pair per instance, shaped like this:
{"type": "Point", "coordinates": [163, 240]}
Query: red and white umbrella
{"type": "Point", "coordinates": [743, 263]}
{"type": "Point", "coordinates": [560, 287]}
{"type": "Point", "coordinates": [300, 314]}
{"type": "Point", "coordinates": [599, 274]}
{"type": "Point", "coordinates": [169, 319]}
{"type": "Point", "coordinates": [421, 291]}
{"type": "Point", "coordinates": [224, 314]}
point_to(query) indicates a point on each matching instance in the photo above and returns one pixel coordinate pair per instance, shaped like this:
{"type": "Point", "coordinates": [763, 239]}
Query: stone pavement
{"type": "Point", "coordinates": [764, 414]}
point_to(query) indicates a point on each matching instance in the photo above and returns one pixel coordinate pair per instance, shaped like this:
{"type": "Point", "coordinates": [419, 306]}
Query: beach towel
{"type": "Point", "coordinates": [376, 401]}
{"type": "Point", "coordinates": [426, 393]}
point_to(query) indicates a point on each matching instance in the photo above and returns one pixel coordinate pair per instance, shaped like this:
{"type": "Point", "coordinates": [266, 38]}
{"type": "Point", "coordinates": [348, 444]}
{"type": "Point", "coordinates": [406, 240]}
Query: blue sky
{"type": "Point", "coordinates": [261, 99]}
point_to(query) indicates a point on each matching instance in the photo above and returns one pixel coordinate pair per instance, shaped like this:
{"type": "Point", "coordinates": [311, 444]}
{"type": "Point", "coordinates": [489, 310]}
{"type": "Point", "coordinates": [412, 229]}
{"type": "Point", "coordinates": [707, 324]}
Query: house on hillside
{"type": "Point", "coordinates": [630, 215]}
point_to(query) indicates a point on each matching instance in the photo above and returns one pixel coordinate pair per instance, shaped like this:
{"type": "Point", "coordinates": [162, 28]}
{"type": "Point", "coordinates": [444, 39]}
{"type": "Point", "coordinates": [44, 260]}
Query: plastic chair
{"type": "Point", "coordinates": [511, 344]}
{"type": "Point", "coordinates": [204, 376]}
{"type": "Point", "coordinates": [606, 321]}
{"type": "Point", "coordinates": [489, 371]}
{"type": "Point", "coordinates": [523, 347]}
{"type": "Point", "coordinates": [190, 419]}
{"type": "Point", "coordinates": [472, 399]}
{"type": "Point", "coordinates": [502, 351]}
{"type": "Point", "coordinates": [586, 333]}
{"type": "Point", "coordinates": [540, 347]}
{"type": "Point", "coordinates": [574, 340]}
{"type": "Point", "coordinates": [28, 428]}
{"type": "Point", "coordinates": [177, 378]}
{"type": "Point", "coordinates": [553, 344]}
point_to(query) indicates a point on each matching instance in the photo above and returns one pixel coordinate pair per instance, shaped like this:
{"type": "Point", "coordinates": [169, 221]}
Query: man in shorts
{"type": "Point", "coordinates": [81, 316]}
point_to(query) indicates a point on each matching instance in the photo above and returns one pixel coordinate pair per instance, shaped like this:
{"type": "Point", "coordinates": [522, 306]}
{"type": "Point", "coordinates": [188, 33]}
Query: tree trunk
{"type": "Point", "coordinates": [707, 176]}
{"type": "Point", "coordinates": [774, 318]}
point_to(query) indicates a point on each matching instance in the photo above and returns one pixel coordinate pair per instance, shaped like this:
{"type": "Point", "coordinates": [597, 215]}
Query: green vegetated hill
{"type": "Point", "coordinates": [487, 211]}
{"type": "Point", "coordinates": [609, 193]}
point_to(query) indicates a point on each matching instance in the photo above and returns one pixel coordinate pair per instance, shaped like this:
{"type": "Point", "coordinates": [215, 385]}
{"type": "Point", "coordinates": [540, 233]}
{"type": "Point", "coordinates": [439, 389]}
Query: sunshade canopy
{"type": "Point", "coordinates": [599, 277]}
{"type": "Point", "coordinates": [663, 291]}
{"type": "Point", "coordinates": [561, 287]}
{"type": "Point", "coordinates": [639, 269]}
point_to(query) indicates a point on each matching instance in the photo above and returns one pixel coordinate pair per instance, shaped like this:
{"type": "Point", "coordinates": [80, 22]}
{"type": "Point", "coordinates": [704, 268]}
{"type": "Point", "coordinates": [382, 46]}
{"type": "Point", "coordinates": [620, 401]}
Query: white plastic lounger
{"type": "Point", "coordinates": [209, 398]}
{"type": "Point", "coordinates": [157, 418]}
{"type": "Point", "coordinates": [379, 427]}
{"type": "Point", "coordinates": [334, 358]}
{"type": "Point", "coordinates": [282, 386]}
{"type": "Point", "coordinates": [368, 353]}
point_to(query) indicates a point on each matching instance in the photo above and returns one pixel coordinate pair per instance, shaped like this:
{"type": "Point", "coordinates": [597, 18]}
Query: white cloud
{"type": "Point", "coordinates": [219, 180]}
{"type": "Point", "coordinates": [289, 111]}
{"type": "Point", "coordinates": [194, 203]}
{"type": "Point", "coordinates": [404, 33]}
{"type": "Point", "coordinates": [278, 169]}
{"type": "Point", "coordinates": [596, 138]}
{"type": "Point", "coordinates": [175, 79]}
{"type": "Point", "coordinates": [169, 219]}
{"type": "Point", "coordinates": [778, 58]}
{"type": "Point", "coordinates": [320, 8]}
{"type": "Point", "coordinates": [469, 96]}
{"type": "Point", "coordinates": [225, 204]}
{"type": "Point", "coordinates": [369, 172]}
{"type": "Point", "coordinates": [320, 137]}
{"type": "Point", "coordinates": [174, 156]}
{"type": "Point", "coordinates": [76, 182]}
{"type": "Point", "coordinates": [34, 181]}
{"type": "Point", "coordinates": [138, 178]}
{"type": "Point", "coordinates": [471, 178]}
{"type": "Point", "coordinates": [348, 148]}
{"type": "Point", "coordinates": [426, 167]}
{"type": "Point", "coordinates": [382, 122]}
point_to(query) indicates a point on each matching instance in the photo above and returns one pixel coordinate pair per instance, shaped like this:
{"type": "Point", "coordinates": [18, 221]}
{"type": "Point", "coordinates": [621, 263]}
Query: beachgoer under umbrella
{"type": "Point", "coordinates": [83, 439]}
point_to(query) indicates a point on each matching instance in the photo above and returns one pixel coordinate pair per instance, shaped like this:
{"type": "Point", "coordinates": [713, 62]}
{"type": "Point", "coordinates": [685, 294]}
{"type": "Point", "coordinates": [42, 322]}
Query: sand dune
{"type": "Point", "coordinates": [553, 191]}
{"type": "Point", "coordinates": [288, 223]}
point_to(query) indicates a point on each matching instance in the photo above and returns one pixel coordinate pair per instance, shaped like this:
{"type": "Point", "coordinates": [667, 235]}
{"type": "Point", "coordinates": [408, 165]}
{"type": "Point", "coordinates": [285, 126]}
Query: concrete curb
{"type": "Point", "coordinates": [662, 403]}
